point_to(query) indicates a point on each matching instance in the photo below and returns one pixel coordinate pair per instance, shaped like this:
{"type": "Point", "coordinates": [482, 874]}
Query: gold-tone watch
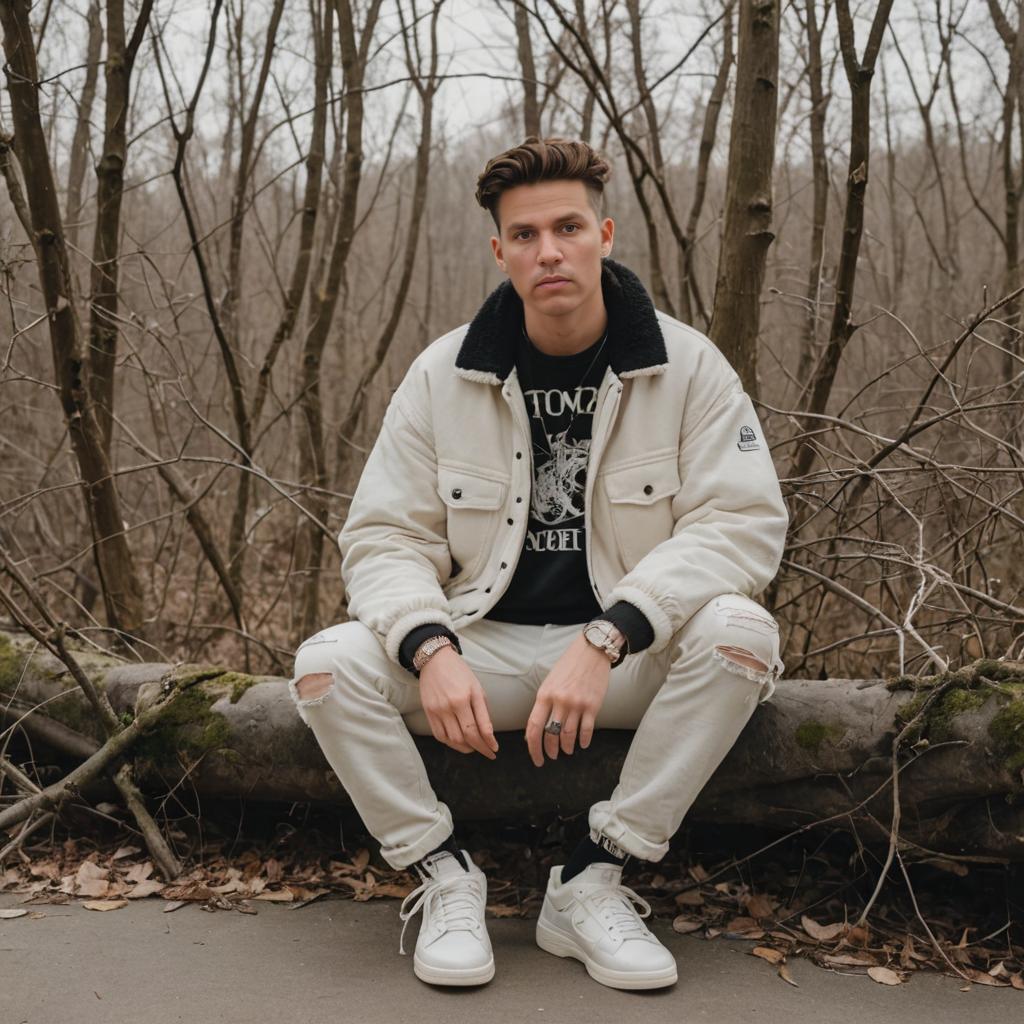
{"type": "Point", "coordinates": [606, 637]}
{"type": "Point", "coordinates": [428, 649]}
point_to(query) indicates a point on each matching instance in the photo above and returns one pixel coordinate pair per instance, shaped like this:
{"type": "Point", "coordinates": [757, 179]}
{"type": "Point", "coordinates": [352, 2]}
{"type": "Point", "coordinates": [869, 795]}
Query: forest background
{"type": "Point", "coordinates": [228, 228]}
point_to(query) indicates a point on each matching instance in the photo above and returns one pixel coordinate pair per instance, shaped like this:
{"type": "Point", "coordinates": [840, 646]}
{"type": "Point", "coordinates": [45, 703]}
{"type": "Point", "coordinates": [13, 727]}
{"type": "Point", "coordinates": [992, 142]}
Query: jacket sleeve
{"type": "Point", "coordinates": [730, 519]}
{"type": "Point", "coordinates": [394, 545]}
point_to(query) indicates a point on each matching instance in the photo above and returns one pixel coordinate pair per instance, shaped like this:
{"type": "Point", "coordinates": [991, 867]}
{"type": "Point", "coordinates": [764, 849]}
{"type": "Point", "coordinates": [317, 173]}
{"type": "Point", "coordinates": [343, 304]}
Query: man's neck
{"type": "Point", "coordinates": [565, 336]}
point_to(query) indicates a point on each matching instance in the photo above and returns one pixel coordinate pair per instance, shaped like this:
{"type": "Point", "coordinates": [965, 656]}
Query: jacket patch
{"type": "Point", "coordinates": [748, 440]}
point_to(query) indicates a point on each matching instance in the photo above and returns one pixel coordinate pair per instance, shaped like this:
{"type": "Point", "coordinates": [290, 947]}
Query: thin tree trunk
{"type": "Point", "coordinates": [690, 301]}
{"type": "Point", "coordinates": [122, 590]}
{"type": "Point", "coordinates": [819, 169]}
{"type": "Point", "coordinates": [313, 461]}
{"type": "Point", "coordinates": [80, 143]}
{"type": "Point", "coordinates": [427, 88]}
{"type": "Point", "coordinates": [524, 45]}
{"type": "Point", "coordinates": [103, 305]}
{"type": "Point", "coordinates": [736, 317]}
{"type": "Point", "coordinates": [859, 74]}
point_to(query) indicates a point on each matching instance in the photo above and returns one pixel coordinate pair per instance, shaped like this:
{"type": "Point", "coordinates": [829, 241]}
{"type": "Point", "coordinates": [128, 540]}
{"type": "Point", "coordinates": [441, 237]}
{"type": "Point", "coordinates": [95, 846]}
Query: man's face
{"type": "Point", "coordinates": [550, 245]}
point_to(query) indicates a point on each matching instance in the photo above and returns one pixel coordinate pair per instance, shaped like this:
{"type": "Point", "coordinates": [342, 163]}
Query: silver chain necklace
{"type": "Point", "coordinates": [540, 415]}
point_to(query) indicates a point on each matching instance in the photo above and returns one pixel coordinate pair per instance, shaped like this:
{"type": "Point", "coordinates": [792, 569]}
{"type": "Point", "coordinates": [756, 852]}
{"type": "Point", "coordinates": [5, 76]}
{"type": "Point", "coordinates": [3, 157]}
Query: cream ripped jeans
{"type": "Point", "coordinates": [687, 703]}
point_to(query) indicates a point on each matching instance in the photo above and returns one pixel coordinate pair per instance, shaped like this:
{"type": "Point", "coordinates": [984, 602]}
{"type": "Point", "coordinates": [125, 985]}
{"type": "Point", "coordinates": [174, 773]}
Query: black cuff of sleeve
{"type": "Point", "coordinates": [632, 623]}
{"type": "Point", "coordinates": [408, 647]}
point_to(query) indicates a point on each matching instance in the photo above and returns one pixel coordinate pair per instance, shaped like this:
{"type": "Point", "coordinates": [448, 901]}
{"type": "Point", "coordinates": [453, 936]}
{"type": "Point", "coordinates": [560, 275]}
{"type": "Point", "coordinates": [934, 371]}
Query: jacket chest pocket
{"type": "Point", "coordinates": [640, 499]}
{"type": "Point", "coordinates": [473, 504]}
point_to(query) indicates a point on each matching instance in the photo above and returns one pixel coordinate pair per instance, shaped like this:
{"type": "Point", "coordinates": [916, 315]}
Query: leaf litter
{"type": "Point", "coordinates": [796, 905]}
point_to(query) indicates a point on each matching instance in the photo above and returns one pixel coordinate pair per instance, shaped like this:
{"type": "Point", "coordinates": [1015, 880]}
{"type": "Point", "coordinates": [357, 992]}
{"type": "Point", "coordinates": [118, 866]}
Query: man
{"type": "Point", "coordinates": [561, 525]}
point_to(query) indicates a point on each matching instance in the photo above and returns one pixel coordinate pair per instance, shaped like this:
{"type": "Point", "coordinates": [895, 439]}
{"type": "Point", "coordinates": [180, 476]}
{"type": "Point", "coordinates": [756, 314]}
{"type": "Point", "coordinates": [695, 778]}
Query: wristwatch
{"type": "Point", "coordinates": [428, 649]}
{"type": "Point", "coordinates": [607, 637]}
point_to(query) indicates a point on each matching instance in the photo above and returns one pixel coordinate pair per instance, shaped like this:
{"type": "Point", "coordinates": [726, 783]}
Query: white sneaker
{"type": "Point", "coordinates": [592, 918]}
{"type": "Point", "coordinates": [453, 947]}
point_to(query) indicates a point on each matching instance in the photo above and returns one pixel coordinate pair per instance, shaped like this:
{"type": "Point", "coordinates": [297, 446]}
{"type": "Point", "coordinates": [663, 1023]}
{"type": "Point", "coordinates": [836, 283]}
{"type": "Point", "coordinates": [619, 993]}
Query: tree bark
{"type": "Point", "coordinates": [736, 315]}
{"type": "Point", "coordinates": [122, 590]}
{"type": "Point", "coordinates": [524, 45]}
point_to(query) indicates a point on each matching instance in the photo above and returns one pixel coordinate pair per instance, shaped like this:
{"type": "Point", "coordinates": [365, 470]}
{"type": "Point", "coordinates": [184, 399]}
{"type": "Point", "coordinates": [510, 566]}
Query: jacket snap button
{"type": "Point", "coordinates": [648, 489]}
{"type": "Point", "coordinates": [518, 500]}
{"type": "Point", "coordinates": [510, 522]}
{"type": "Point", "coordinates": [504, 565]}
{"type": "Point", "coordinates": [519, 455]}
{"type": "Point", "coordinates": [456, 492]}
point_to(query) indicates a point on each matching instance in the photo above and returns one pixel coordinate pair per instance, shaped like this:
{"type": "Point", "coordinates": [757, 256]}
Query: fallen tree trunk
{"type": "Point", "coordinates": [818, 751]}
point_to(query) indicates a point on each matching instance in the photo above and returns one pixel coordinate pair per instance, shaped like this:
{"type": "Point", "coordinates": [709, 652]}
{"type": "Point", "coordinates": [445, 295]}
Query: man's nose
{"type": "Point", "coordinates": [549, 251]}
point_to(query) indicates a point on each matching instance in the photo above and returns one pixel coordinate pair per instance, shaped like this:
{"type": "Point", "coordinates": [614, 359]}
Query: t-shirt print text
{"type": "Point", "coordinates": [748, 440]}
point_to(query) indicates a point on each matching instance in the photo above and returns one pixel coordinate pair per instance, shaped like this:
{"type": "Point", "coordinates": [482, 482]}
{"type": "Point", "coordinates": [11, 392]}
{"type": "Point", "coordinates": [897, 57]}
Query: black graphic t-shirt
{"type": "Point", "coordinates": [551, 583]}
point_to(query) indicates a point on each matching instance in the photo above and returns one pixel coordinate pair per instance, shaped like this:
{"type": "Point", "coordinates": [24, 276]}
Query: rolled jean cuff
{"type": "Point", "coordinates": [604, 822]}
{"type": "Point", "coordinates": [400, 857]}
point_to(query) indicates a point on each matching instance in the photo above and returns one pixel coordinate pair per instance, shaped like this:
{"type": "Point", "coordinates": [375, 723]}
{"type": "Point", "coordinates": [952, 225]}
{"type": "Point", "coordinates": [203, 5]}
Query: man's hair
{"type": "Point", "coordinates": [537, 160]}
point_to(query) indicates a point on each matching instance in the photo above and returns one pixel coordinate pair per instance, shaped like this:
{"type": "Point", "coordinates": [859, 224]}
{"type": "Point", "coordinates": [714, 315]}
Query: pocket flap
{"type": "Point", "coordinates": [643, 485]}
{"type": "Point", "coordinates": [459, 489]}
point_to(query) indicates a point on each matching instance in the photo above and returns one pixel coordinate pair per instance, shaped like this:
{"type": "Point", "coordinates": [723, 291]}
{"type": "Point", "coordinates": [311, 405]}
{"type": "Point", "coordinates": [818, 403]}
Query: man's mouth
{"type": "Point", "coordinates": [549, 282]}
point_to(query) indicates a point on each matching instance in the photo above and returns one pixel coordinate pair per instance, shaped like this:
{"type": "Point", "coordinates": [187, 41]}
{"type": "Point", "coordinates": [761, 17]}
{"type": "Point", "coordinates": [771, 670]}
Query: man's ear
{"type": "Point", "coordinates": [607, 236]}
{"type": "Point", "coordinates": [498, 256]}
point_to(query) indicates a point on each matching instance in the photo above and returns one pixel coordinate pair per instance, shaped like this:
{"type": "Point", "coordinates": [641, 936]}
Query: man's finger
{"type": "Point", "coordinates": [586, 730]}
{"type": "Point", "coordinates": [483, 722]}
{"type": "Point", "coordinates": [455, 738]}
{"type": "Point", "coordinates": [534, 731]}
{"type": "Point", "coordinates": [551, 741]}
{"type": "Point", "coordinates": [570, 727]}
{"type": "Point", "coordinates": [471, 735]}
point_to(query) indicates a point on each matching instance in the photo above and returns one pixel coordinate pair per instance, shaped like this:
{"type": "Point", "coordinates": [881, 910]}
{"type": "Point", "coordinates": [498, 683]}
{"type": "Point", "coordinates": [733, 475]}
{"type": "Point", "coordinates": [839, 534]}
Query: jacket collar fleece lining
{"type": "Point", "coordinates": [636, 347]}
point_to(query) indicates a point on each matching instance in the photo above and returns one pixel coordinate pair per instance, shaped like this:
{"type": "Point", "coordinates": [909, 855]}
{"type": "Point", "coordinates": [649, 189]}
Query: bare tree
{"type": "Point", "coordinates": [736, 318]}
{"type": "Point", "coordinates": [122, 591]}
{"type": "Point", "coordinates": [859, 72]}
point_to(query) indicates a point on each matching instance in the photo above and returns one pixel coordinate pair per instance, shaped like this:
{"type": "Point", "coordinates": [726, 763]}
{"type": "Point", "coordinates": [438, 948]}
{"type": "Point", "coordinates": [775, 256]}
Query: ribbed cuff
{"type": "Point", "coordinates": [412, 641]}
{"type": "Point", "coordinates": [632, 623]}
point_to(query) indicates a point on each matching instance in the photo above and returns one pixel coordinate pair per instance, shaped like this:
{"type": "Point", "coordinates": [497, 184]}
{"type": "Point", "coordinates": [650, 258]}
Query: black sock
{"type": "Point", "coordinates": [588, 852]}
{"type": "Point", "coordinates": [451, 847]}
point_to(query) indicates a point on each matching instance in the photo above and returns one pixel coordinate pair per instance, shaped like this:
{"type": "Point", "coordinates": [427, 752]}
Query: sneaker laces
{"type": "Point", "coordinates": [456, 899]}
{"type": "Point", "coordinates": [617, 903]}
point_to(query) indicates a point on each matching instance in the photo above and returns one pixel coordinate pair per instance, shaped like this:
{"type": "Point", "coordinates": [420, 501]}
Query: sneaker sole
{"type": "Point", "coordinates": [453, 976]}
{"type": "Point", "coordinates": [555, 942]}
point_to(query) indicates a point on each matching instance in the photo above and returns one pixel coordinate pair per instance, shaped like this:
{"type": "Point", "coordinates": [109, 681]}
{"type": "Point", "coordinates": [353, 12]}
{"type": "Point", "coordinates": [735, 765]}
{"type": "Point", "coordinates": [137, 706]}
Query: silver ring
{"type": "Point", "coordinates": [553, 727]}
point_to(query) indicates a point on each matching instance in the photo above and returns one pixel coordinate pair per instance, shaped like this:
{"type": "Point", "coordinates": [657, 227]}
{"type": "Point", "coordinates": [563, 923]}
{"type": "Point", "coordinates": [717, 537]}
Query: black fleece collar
{"type": "Point", "coordinates": [635, 344]}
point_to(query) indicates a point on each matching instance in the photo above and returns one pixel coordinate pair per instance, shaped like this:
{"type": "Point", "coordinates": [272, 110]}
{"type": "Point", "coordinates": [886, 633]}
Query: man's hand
{"type": "Point", "coordinates": [455, 706]}
{"type": "Point", "coordinates": [572, 694]}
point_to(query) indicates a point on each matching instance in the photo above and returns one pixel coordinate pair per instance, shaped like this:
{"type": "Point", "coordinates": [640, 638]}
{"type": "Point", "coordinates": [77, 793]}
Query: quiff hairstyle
{"type": "Point", "coordinates": [536, 160]}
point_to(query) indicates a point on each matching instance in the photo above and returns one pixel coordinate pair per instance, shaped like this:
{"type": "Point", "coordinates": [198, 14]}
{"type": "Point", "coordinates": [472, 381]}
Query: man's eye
{"type": "Point", "coordinates": [521, 234]}
{"type": "Point", "coordinates": [570, 227]}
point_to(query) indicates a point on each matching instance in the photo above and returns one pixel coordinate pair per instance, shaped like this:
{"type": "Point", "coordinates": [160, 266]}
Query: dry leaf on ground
{"type": "Point", "coordinates": [884, 976]}
{"type": "Point", "coordinates": [689, 898]}
{"type": "Point", "coordinates": [104, 904]}
{"type": "Point", "coordinates": [773, 956]}
{"type": "Point", "coordinates": [822, 932]}
{"type": "Point", "coordinates": [981, 978]}
{"type": "Point", "coordinates": [786, 976]}
{"type": "Point", "coordinates": [8, 914]}
{"type": "Point", "coordinates": [148, 887]}
{"type": "Point", "coordinates": [847, 960]}
{"type": "Point", "coordinates": [760, 905]}
{"type": "Point", "coordinates": [139, 872]}
{"type": "Point", "coordinates": [685, 925]}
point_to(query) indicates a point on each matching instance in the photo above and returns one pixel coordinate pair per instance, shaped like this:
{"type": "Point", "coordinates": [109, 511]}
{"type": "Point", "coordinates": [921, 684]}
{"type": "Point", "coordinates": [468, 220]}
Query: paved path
{"type": "Point", "coordinates": [337, 962]}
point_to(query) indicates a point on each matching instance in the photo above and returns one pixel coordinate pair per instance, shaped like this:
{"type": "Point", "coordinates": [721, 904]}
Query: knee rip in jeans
{"type": "Point", "coordinates": [310, 690]}
{"type": "Point", "coordinates": [740, 660]}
